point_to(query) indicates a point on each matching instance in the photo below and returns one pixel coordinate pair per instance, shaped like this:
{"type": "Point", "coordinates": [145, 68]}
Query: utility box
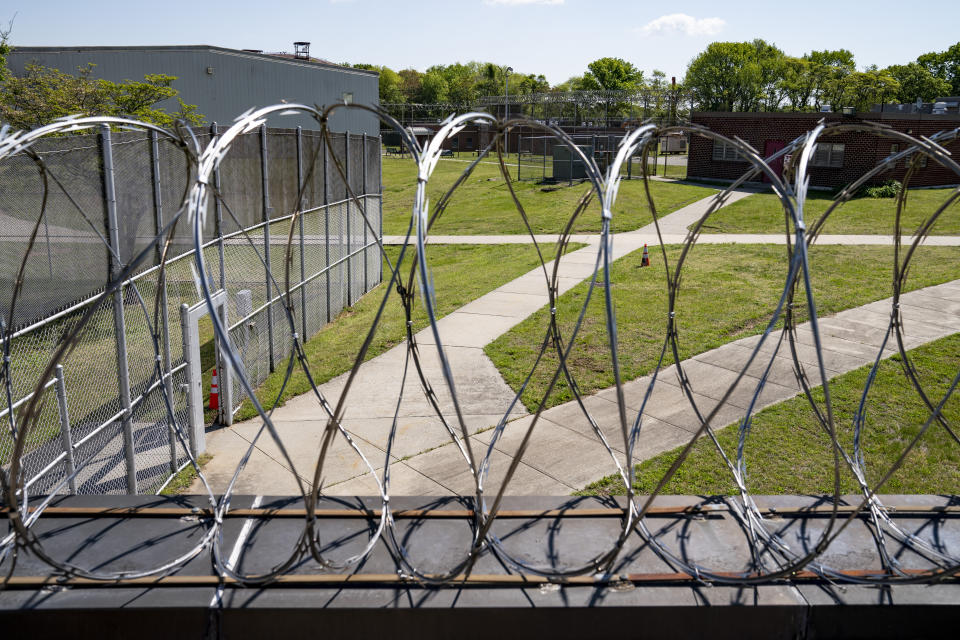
{"type": "Point", "coordinates": [566, 167]}
{"type": "Point", "coordinates": [673, 144]}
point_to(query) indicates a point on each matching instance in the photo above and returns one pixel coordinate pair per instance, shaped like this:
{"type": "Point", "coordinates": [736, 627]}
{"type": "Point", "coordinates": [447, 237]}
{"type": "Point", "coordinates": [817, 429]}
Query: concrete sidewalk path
{"type": "Point", "coordinates": [565, 454]}
{"type": "Point", "coordinates": [424, 461]}
{"type": "Point", "coordinates": [372, 401]}
{"type": "Point", "coordinates": [640, 237]}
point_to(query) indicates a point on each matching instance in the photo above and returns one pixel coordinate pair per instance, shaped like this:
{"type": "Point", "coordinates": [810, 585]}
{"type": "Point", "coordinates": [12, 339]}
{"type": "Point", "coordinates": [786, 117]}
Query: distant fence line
{"type": "Point", "coordinates": [103, 199]}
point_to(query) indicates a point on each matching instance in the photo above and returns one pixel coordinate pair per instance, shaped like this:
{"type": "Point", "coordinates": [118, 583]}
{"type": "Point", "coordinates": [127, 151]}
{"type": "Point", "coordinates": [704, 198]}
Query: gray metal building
{"type": "Point", "coordinates": [224, 83]}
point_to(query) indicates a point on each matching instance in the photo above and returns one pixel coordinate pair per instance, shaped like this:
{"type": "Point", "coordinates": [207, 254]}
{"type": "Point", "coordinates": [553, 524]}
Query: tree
{"type": "Point", "coordinates": [410, 83]}
{"type": "Point", "coordinates": [768, 62]}
{"type": "Point", "coordinates": [612, 74]}
{"type": "Point", "coordinates": [4, 50]}
{"type": "Point", "coordinates": [738, 76]}
{"type": "Point", "coordinates": [433, 88]}
{"type": "Point", "coordinates": [916, 82]}
{"type": "Point", "coordinates": [829, 70]}
{"type": "Point", "coordinates": [42, 95]}
{"type": "Point", "coordinates": [657, 81]}
{"type": "Point", "coordinates": [391, 86]}
{"type": "Point", "coordinates": [797, 82]}
{"type": "Point", "coordinates": [460, 81]}
{"type": "Point", "coordinates": [389, 83]}
{"type": "Point", "coordinates": [944, 65]}
{"type": "Point", "coordinates": [863, 89]}
{"type": "Point", "coordinates": [724, 78]}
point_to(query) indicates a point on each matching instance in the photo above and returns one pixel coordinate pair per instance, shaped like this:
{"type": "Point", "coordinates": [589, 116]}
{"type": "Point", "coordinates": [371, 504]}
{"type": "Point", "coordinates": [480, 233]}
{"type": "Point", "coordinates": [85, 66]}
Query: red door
{"type": "Point", "coordinates": [770, 148]}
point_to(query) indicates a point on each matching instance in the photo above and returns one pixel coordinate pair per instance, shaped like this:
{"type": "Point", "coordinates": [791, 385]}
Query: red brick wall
{"type": "Point", "coordinates": [862, 151]}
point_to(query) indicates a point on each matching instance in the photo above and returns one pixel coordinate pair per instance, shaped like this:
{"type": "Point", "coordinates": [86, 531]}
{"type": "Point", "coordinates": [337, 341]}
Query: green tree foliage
{"type": "Point", "coordinates": [4, 50]}
{"type": "Point", "coordinates": [433, 88]}
{"type": "Point", "coordinates": [737, 76]}
{"type": "Point", "coordinates": [42, 95]}
{"type": "Point", "coordinates": [916, 81]}
{"type": "Point", "coordinates": [757, 76]}
{"type": "Point", "coordinates": [797, 82]}
{"type": "Point", "coordinates": [863, 89]}
{"type": "Point", "coordinates": [410, 82]}
{"type": "Point", "coordinates": [944, 65]}
{"type": "Point", "coordinates": [390, 84]}
{"type": "Point", "coordinates": [611, 74]}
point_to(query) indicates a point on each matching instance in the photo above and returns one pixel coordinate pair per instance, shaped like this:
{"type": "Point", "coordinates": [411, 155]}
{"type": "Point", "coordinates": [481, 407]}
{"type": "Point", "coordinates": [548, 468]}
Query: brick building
{"type": "Point", "coordinates": [839, 159]}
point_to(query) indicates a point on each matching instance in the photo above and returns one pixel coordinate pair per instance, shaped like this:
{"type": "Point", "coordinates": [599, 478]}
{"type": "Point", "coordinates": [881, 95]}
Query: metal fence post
{"type": "Point", "coordinates": [303, 266]}
{"type": "Point", "coordinates": [380, 201]}
{"type": "Point", "coordinates": [116, 268]}
{"type": "Point", "coordinates": [194, 414]}
{"type": "Point", "coordinates": [593, 151]}
{"type": "Point", "coordinates": [326, 219]}
{"type": "Point", "coordinates": [519, 148]}
{"type": "Point", "coordinates": [265, 175]}
{"type": "Point", "coordinates": [218, 211]}
{"type": "Point", "coordinates": [164, 313]}
{"type": "Point", "coordinates": [349, 258]}
{"type": "Point", "coordinates": [65, 437]}
{"type": "Point", "coordinates": [366, 282]}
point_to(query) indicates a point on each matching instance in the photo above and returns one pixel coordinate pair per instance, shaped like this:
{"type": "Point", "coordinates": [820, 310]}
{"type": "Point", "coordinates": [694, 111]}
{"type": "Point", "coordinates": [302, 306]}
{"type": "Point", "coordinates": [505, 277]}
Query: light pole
{"type": "Point", "coordinates": [506, 103]}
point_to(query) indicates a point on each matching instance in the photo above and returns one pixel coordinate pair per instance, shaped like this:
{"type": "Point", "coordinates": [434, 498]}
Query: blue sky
{"type": "Point", "coordinates": [554, 37]}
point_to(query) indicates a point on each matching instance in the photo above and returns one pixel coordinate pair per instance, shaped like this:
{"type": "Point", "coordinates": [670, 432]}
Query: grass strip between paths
{"type": "Point", "coordinates": [482, 204]}
{"type": "Point", "coordinates": [763, 213]}
{"type": "Point", "coordinates": [461, 273]}
{"type": "Point", "coordinates": [727, 292]}
{"type": "Point", "coordinates": [787, 451]}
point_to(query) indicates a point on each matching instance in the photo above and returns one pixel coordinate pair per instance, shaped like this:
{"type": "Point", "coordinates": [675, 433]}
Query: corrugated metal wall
{"type": "Point", "coordinates": [239, 80]}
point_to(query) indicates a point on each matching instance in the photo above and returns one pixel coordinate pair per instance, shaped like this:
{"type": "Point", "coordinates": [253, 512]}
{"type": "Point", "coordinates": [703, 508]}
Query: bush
{"type": "Point", "coordinates": [889, 189]}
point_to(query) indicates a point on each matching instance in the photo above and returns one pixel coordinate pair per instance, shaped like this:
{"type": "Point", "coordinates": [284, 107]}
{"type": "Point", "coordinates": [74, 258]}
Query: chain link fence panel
{"type": "Point", "coordinates": [69, 267]}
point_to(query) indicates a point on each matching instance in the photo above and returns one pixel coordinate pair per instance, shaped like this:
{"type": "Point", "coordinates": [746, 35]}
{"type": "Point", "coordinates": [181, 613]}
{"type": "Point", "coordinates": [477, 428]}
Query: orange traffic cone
{"type": "Point", "coordinates": [214, 391]}
{"type": "Point", "coordinates": [645, 261]}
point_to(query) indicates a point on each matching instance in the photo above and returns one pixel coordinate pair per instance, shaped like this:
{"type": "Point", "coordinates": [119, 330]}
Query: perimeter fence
{"type": "Point", "coordinates": [544, 158]}
{"type": "Point", "coordinates": [104, 199]}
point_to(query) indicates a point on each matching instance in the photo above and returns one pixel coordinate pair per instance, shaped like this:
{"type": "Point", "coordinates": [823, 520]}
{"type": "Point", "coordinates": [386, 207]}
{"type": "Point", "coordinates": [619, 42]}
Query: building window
{"type": "Point", "coordinates": [894, 149]}
{"type": "Point", "coordinates": [725, 151]}
{"type": "Point", "coordinates": [918, 160]}
{"type": "Point", "coordinates": [828, 155]}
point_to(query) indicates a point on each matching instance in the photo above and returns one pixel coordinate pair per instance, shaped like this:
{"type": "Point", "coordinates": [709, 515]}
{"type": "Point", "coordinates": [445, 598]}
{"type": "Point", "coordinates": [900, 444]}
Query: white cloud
{"type": "Point", "coordinates": [682, 23]}
{"type": "Point", "coordinates": [517, 2]}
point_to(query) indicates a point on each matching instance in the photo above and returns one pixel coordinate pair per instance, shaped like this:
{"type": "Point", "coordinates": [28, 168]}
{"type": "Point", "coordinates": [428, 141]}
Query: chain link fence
{"type": "Point", "coordinates": [105, 410]}
{"type": "Point", "coordinates": [545, 159]}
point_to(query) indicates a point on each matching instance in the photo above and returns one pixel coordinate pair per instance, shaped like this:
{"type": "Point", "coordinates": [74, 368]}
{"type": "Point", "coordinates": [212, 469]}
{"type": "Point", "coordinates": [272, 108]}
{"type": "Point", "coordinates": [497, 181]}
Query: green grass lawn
{"type": "Point", "coordinates": [763, 213]}
{"type": "Point", "coordinates": [482, 205]}
{"type": "Point", "coordinates": [461, 273]}
{"type": "Point", "coordinates": [787, 450]}
{"type": "Point", "coordinates": [727, 292]}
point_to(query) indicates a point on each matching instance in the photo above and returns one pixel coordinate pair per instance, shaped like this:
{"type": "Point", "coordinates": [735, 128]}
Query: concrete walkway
{"type": "Point", "coordinates": [564, 455]}
{"type": "Point", "coordinates": [644, 236]}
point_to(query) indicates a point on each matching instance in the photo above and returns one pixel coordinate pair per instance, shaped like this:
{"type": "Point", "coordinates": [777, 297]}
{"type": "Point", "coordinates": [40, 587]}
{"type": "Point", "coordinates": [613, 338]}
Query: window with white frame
{"type": "Point", "coordinates": [725, 151]}
{"type": "Point", "coordinates": [828, 155]}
